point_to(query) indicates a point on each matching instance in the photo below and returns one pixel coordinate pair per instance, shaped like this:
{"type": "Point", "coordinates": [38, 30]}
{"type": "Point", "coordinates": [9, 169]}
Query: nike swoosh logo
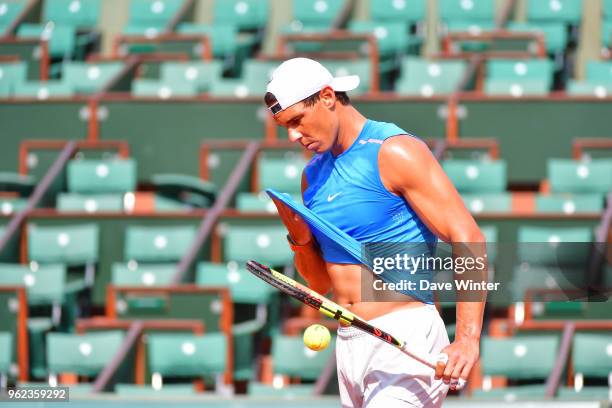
{"type": "Point", "coordinates": [331, 197]}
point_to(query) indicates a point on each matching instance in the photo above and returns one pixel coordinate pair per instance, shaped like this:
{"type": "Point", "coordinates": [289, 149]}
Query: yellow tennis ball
{"type": "Point", "coordinates": [317, 337]}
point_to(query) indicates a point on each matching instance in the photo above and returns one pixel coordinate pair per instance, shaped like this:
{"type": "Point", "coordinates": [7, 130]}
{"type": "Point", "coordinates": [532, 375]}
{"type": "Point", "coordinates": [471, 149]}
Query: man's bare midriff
{"type": "Point", "coordinates": [346, 284]}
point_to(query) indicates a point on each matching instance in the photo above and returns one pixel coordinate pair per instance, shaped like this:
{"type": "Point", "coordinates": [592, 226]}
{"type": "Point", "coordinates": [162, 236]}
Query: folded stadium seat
{"type": "Point", "coordinates": [157, 243]}
{"type": "Point", "coordinates": [584, 177]}
{"type": "Point", "coordinates": [312, 16]}
{"type": "Point", "coordinates": [97, 185]}
{"type": "Point", "coordinates": [238, 88]}
{"type": "Point", "coordinates": [523, 358]}
{"type": "Point", "coordinates": [291, 358]}
{"type": "Point", "coordinates": [151, 17]}
{"type": "Point", "coordinates": [18, 183]}
{"type": "Point", "coordinates": [11, 74]}
{"type": "Point", "coordinates": [9, 12]}
{"type": "Point", "coordinates": [551, 258]}
{"type": "Point", "coordinates": [555, 34]}
{"type": "Point", "coordinates": [606, 35]}
{"type": "Point", "coordinates": [43, 90]}
{"type": "Point", "coordinates": [473, 176]}
{"type": "Point", "coordinates": [361, 67]}
{"type": "Point", "coordinates": [45, 284]}
{"type": "Point", "coordinates": [62, 39]}
{"type": "Point", "coordinates": [181, 191]}
{"type": "Point", "coordinates": [254, 301]}
{"type": "Point", "coordinates": [138, 274]}
{"type": "Point", "coordinates": [267, 244]}
{"type": "Point", "coordinates": [81, 354]}
{"type": "Point", "coordinates": [200, 74]}
{"type": "Point", "coordinates": [90, 203]}
{"type": "Point", "coordinates": [6, 355]}
{"type": "Point", "coordinates": [473, 16]}
{"type": "Point", "coordinates": [81, 14]}
{"type": "Point", "coordinates": [223, 38]}
{"type": "Point", "coordinates": [10, 206]}
{"type": "Point", "coordinates": [565, 11]}
{"type": "Point", "coordinates": [429, 78]}
{"type": "Point", "coordinates": [569, 203]}
{"type": "Point", "coordinates": [174, 390]}
{"type": "Point", "coordinates": [518, 77]}
{"type": "Point", "coordinates": [591, 358]}
{"type": "Point", "coordinates": [282, 174]}
{"type": "Point", "coordinates": [259, 202]}
{"type": "Point", "coordinates": [163, 89]}
{"type": "Point", "coordinates": [87, 78]}
{"type": "Point", "coordinates": [405, 11]}
{"type": "Point", "coordinates": [479, 203]}
{"type": "Point", "coordinates": [186, 356]}
{"type": "Point", "coordinates": [598, 80]}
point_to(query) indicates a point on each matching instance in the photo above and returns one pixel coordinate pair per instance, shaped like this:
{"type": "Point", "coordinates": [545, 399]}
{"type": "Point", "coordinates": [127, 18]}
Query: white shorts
{"type": "Point", "coordinates": [373, 374]}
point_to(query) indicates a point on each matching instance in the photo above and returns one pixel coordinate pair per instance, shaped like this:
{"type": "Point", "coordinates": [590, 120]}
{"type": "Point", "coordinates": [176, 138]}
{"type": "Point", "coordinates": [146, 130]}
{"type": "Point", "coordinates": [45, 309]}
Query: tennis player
{"type": "Point", "coordinates": [377, 183]}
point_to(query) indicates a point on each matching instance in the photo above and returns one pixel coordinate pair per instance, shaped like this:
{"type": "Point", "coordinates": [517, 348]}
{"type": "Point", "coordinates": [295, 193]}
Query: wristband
{"type": "Point", "coordinates": [295, 247]}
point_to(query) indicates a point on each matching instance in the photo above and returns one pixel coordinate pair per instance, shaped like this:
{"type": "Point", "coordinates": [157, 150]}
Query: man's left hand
{"type": "Point", "coordinates": [462, 355]}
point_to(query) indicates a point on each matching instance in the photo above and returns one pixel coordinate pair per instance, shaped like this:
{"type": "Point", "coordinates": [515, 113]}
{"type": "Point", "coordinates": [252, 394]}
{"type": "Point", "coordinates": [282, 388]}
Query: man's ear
{"type": "Point", "coordinates": [328, 97]}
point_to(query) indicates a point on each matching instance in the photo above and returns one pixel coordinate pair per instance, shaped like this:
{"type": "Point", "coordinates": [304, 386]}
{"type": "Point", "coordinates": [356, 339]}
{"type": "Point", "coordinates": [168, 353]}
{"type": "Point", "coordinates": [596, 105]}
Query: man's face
{"type": "Point", "coordinates": [314, 127]}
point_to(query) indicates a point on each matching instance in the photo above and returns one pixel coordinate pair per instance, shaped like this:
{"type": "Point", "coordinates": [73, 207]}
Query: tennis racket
{"type": "Point", "coordinates": [335, 311]}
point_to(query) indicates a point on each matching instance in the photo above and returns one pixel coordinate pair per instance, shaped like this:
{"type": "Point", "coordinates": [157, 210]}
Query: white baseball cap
{"type": "Point", "coordinates": [296, 79]}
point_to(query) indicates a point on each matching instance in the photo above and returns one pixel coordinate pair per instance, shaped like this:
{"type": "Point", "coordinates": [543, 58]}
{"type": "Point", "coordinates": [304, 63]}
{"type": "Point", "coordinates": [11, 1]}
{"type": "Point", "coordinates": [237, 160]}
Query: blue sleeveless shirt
{"type": "Point", "coordinates": [347, 191]}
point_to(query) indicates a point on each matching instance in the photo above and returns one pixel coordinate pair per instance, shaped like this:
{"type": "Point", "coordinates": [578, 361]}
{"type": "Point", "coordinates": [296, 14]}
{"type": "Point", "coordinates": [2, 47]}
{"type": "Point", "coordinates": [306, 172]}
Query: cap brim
{"type": "Point", "coordinates": [345, 83]}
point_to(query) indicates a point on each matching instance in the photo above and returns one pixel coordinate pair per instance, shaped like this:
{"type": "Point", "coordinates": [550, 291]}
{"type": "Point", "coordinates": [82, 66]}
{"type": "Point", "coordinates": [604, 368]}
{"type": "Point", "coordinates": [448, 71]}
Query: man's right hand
{"type": "Point", "coordinates": [297, 227]}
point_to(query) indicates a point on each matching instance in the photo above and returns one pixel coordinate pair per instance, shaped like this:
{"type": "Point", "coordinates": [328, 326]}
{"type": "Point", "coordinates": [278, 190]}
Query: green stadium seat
{"type": "Point", "coordinates": [151, 30]}
{"type": "Point", "coordinates": [391, 37]}
{"type": "Point", "coordinates": [10, 206]}
{"type": "Point", "coordinates": [62, 39]}
{"type": "Point", "coordinates": [85, 354]}
{"type": "Point", "coordinates": [429, 78]}
{"type": "Point", "coordinates": [90, 203]}
{"type": "Point", "coordinates": [198, 74]}
{"type": "Point", "coordinates": [582, 88]}
{"type": "Point", "coordinates": [187, 355]}
{"type": "Point", "coordinates": [569, 203]}
{"type": "Point", "coordinates": [11, 74]}
{"type": "Point", "coordinates": [607, 9]}
{"type": "Point", "coordinates": [516, 88]}
{"type": "Point", "coordinates": [243, 14]}
{"type": "Point", "coordinates": [43, 90]}
{"type": "Point", "coordinates": [571, 176]}
{"type": "Point", "coordinates": [158, 244]}
{"type": "Point", "coordinates": [591, 358]}
{"type": "Point", "coordinates": [75, 13]}
{"type": "Point", "coordinates": [45, 284]}
{"type": "Point", "coordinates": [472, 27]}
{"type": "Point", "coordinates": [6, 353]}
{"type": "Point", "coordinates": [527, 276]}
{"type": "Point", "coordinates": [606, 33]}
{"type": "Point", "coordinates": [290, 391]}
{"type": "Point", "coordinates": [281, 174]}
{"type": "Point", "coordinates": [265, 243]}
{"type": "Point", "coordinates": [258, 70]}
{"type": "Point", "coordinates": [599, 71]}
{"type": "Point", "coordinates": [9, 12]}
{"type": "Point", "coordinates": [168, 390]}
{"type": "Point", "coordinates": [101, 176]}
{"type": "Point", "coordinates": [148, 15]}
{"type": "Point", "coordinates": [166, 204]}
{"type": "Point", "coordinates": [186, 190]}
{"type": "Point", "coordinates": [139, 274]}
{"type": "Point", "coordinates": [471, 176]}
{"type": "Point", "coordinates": [18, 183]}
{"type": "Point", "coordinates": [555, 33]}
{"type": "Point", "coordinates": [406, 11]}
{"type": "Point", "coordinates": [518, 358]}
{"type": "Point", "coordinates": [292, 358]}
{"type": "Point", "coordinates": [321, 13]}
{"type": "Point", "coordinates": [490, 234]}
{"type": "Point", "coordinates": [223, 38]}
{"type": "Point", "coordinates": [467, 10]}
{"type": "Point", "coordinates": [260, 202]}
{"type": "Point", "coordinates": [89, 78]}
{"type": "Point", "coordinates": [244, 286]}
{"type": "Point", "coordinates": [361, 67]}
{"type": "Point", "coordinates": [557, 246]}
{"type": "Point", "coordinates": [69, 244]}
{"type": "Point", "coordinates": [238, 88]}
{"type": "Point", "coordinates": [566, 11]}
{"type": "Point", "coordinates": [479, 203]}
{"type": "Point", "coordinates": [163, 90]}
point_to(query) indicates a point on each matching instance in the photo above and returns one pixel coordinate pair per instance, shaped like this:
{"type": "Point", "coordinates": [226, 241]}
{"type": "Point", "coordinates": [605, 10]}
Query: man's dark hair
{"type": "Point", "coordinates": [342, 97]}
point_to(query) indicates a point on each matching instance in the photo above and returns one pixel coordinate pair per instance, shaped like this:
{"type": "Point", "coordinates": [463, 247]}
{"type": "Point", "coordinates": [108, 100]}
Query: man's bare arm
{"type": "Point", "coordinates": [408, 169]}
